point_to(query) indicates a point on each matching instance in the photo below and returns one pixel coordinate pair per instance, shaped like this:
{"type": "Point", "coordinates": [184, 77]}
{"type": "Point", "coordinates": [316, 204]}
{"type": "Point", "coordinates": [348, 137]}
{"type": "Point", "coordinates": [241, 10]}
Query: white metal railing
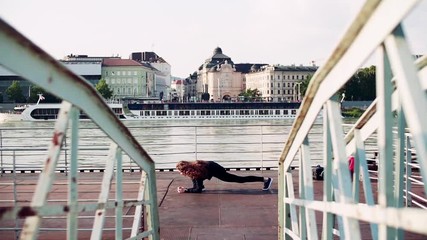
{"type": "Point", "coordinates": [21, 56]}
{"type": "Point", "coordinates": [258, 146]}
{"type": "Point", "coordinates": [400, 104]}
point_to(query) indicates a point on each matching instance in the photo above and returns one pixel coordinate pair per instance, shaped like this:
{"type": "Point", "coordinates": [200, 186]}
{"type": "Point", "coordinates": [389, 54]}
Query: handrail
{"type": "Point", "coordinates": [26, 59]}
{"type": "Point", "coordinates": [395, 113]}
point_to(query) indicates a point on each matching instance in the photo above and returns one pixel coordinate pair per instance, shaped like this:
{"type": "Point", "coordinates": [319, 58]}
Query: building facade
{"type": "Point", "coordinates": [128, 78]}
{"type": "Point", "coordinates": [279, 83]}
{"type": "Point", "coordinates": [218, 77]}
{"type": "Point", "coordinates": [162, 72]}
{"type": "Point", "coordinates": [87, 67]}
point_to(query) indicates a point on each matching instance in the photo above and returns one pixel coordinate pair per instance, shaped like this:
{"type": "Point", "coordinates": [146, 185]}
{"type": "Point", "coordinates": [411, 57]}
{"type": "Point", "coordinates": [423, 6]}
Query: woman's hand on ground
{"type": "Point", "coordinates": [180, 189]}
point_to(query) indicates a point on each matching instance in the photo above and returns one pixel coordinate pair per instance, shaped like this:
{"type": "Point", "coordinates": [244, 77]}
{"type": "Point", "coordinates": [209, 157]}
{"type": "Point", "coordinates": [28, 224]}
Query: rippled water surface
{"type": "Point", "coordinates": [233, 143]}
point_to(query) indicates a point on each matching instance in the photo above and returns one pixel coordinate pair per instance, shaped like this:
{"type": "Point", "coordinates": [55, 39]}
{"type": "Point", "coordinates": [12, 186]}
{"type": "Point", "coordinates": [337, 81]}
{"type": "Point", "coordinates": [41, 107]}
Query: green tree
{"type": "Point", "coordinates": [304, 85]}
{"type": "Point", "coordinates": [34, 91]}
{"type": "Point", "coordinates": [48, 98]}
{"type": "Point", "coordinates": [14, 92]}
{"type": "Point", "coordinates": [251, 94]}
{"type": "Point", "coordinates": [103, 89]}
{"type": "Point", "coordinates": [361, 86]}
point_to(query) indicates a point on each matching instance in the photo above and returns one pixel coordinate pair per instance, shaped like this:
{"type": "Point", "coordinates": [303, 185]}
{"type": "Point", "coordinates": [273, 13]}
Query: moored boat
{"type": "Point", "coordinates": [173, 110]}
{"type": "Point", "coordinates": [212, 110]}
{"type": "Point", "coordinates": [50, 111]}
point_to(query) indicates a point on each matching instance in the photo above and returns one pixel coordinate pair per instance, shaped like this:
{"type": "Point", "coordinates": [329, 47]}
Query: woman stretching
{"type": "Point", "coordinates": [199, 170]}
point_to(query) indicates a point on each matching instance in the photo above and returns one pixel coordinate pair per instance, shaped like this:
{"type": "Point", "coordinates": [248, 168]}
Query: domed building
{"type": "Point", "coordinates": [218, 77]}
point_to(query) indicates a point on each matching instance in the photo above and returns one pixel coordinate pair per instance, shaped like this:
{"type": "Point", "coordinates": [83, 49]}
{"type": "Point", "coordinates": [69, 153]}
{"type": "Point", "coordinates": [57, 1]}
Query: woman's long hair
{"type": "Point", "coordinates": [193, 170]}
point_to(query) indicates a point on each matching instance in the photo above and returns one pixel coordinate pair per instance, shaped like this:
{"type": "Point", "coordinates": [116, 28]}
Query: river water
{"type": "Point", "coordinates": [232, 143]}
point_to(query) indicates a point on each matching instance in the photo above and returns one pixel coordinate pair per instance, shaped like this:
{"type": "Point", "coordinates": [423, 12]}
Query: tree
{"type": "Point", "coordinates": [250, 94]}
{"type": "Point", "coordinates": [361, 86]}
{"type": "Point", "coordinates": [14, 92]}
{"type": "Point", "coordinates": [48, 98]}
{"type": "Point", "coordinates": [304, 85]}
{"type": "Point", "coordinates": [34, 91]}
{"type": "Point", "coordinates": [103, 89]}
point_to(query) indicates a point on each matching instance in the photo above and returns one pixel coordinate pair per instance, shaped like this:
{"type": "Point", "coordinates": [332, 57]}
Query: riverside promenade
{"type": "Point", "coordinates": [224, 211]}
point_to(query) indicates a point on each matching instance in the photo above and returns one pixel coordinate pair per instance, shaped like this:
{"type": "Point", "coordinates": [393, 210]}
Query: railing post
{"type": "Point", "coordinates": [282, 206]}
{"type": "Point", "coordinates": [65, 155]}
{"type": "Point", "coordinates": [195, 142]}
{"type": "Point", "coordinates": [73, 194]}
{"type": "Point", "coordinates": [262, 149]}
{"type": "Point", "coordinates": [119, 195]}
{"type": "Point", "coordinates": [408, 185]}
{"type": "Point", "coordinates": [15, 195]}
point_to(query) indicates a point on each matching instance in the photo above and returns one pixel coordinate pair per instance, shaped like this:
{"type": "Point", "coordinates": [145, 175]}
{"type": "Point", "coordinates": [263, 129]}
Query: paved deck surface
{"type": "Point", "coordinates": [224, 211]}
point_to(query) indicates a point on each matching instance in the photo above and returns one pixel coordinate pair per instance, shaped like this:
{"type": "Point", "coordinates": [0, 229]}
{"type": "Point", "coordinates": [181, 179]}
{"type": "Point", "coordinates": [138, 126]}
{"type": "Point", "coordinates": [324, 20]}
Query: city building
{"type": "Point", "coordinates": [218, 77]}
{"type": "Point", "coordinates": [129, 79]}
{"type": "Point", "coordinates": [279, 83]}
{"type": "Point", "coordinates": [162, 74]}
{"type": "Point", "coordinates": [87, 67]}
{"type": "Point", "coordinates": [177, 90]}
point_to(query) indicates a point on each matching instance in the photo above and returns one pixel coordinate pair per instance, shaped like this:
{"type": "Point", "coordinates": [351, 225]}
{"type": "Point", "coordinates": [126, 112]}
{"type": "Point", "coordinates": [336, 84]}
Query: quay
{"type": "Point", "coordinates": [224, 211]}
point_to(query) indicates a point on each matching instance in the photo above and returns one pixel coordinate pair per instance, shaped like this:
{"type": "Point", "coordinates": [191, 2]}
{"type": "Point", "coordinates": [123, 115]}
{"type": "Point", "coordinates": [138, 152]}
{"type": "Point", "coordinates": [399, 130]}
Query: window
{"type": "Point", "coordinates": [278, 84]}
{"type": "Point", "coordinates": [278, 91]}
{"type": "Point", "coordinates": [161, 113]}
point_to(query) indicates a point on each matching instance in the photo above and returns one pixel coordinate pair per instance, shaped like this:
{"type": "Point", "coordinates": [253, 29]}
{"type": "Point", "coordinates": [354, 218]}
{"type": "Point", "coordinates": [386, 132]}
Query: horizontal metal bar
{"type": "Point", "coordinates": [411, 219]}
{"type": "Point", "coordinates": [10, 213]}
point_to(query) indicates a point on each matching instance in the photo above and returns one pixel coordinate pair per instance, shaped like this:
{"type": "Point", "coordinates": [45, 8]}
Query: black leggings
{"type": "Point", "coordinates": [223, 175]}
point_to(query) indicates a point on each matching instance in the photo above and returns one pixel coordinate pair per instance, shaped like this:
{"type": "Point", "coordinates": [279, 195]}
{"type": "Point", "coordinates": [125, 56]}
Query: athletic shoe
{"type": "Point", "coordinates": [267, 184]}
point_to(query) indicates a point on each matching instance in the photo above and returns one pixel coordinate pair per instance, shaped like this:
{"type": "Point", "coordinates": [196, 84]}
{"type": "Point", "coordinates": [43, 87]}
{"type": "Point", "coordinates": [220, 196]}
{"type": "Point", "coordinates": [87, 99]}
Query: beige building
{"type": "Point", "coordinates": [218, 77]}
{"type": "Point", "coordinates": [279, 83]}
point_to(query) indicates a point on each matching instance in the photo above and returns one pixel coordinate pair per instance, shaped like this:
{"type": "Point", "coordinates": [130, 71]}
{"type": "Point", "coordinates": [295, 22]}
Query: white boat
{"type": "Point", "coordinates": [168, 111]}
{"type": "Point", "coordinates": [211, 110]}
{"type": "Point", "coordinates": [20, 108]}
{"type": "Point", "coordinates": [50, 111]}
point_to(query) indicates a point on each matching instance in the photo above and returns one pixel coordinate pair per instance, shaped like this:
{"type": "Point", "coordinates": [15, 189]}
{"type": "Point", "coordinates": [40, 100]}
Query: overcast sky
{"type": "Point", "coordinates": [185, 32]}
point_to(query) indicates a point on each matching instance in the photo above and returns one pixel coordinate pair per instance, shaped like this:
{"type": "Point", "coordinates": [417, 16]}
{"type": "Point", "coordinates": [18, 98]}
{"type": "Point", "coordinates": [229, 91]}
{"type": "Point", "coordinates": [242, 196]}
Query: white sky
{"type": "Point", "coordinates": [185, 32]}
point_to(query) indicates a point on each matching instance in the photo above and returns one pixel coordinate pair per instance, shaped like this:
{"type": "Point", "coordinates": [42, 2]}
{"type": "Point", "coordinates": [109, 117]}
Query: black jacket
{"type": "Point", "coordinates": [212, 169]}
